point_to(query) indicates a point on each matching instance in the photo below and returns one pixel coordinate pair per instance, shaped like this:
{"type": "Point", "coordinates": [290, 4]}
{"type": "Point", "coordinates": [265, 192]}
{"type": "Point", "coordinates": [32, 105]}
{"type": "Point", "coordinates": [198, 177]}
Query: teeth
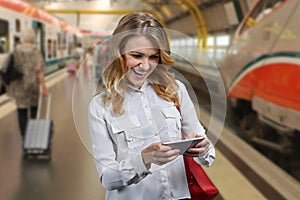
{"type": "Point", "coordinates": [139, 72]}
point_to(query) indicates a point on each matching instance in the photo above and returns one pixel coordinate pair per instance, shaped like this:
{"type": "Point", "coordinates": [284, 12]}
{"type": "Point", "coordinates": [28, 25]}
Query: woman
{"type": "Point", "coordinates": [26, 90]}
{"type": "Point", "coordinates": [138, 112]}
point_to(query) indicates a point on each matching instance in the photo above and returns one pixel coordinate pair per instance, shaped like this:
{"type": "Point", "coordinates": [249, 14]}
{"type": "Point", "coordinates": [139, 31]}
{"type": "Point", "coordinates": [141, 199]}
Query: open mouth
{"type": "Point", "coordinates": [139, 73]}
{"type": "Point", "coordinates": [137, 76]}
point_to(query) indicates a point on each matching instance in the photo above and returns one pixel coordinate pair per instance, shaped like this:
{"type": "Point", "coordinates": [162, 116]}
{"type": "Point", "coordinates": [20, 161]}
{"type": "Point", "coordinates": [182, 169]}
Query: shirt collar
{"type": "Point", "coordinates": [145, 85]}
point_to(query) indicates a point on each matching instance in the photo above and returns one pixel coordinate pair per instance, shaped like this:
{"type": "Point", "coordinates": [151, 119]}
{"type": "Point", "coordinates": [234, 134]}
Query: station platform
{"type": "Point", "coordinates": [71, 173]}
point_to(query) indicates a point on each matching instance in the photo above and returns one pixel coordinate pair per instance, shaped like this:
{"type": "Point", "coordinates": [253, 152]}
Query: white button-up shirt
{"type": "Point", "coordinates": [118, 140]}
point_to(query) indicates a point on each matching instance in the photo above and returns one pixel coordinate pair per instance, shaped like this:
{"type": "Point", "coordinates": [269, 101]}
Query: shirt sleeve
{"type": "Point", "coordinates": [191, 124]}
{"type": "Point", "coordinates": [208, 159]}
{"type": "Point", "coordinates": [113, 174]}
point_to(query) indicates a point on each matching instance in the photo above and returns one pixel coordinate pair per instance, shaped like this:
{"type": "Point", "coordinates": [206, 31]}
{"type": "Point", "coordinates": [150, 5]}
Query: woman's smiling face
{"type": "Point", "coordinates": [141, 58]}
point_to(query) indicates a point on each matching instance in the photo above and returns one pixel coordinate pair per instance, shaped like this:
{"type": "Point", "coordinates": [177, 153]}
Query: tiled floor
{"type": "Point", "coordinates": [70, 174]}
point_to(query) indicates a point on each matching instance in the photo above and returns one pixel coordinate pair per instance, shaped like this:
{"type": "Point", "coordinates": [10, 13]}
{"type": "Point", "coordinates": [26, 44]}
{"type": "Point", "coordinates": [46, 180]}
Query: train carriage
{"type": "Point", "coordinates": [55, 38]}
{"type": "Point", "coordinates": [262, 71]}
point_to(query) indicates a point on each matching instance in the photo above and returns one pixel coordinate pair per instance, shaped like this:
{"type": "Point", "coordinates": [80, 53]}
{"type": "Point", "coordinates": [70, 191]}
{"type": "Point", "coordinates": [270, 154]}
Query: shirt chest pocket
{"type": "Point", "coordinates": [128, 133]}
{"type": "Point", "coordinates": [173, 121]}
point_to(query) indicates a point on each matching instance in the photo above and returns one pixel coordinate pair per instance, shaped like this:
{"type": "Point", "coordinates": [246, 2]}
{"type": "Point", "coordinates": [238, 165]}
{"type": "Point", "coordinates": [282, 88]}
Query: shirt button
{"type": "Point", "coordinates": [129, 139]}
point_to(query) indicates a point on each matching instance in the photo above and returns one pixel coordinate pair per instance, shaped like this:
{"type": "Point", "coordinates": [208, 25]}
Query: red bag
{"type": "Point", "coordinates": [200, 186]}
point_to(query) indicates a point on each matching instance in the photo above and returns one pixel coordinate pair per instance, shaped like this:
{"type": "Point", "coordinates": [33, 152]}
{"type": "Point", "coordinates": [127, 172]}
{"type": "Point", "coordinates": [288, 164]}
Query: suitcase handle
{"type": "Point", "coordinates": [40, 105]}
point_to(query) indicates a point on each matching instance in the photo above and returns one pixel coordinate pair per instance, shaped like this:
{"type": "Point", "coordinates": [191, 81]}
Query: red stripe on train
{"type": "Point", "coordinates": [278, 83]}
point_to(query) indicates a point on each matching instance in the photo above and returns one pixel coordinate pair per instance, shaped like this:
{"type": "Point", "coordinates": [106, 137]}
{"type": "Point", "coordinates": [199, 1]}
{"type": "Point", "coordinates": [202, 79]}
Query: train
{"type": "Point", "coordinates": [261, 72]}
{"type": "Point", "coordinates": [55, 37]}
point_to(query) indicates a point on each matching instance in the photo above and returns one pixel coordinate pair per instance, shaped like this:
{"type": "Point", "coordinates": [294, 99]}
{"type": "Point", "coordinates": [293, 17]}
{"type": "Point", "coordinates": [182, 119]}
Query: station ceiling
{"type": "Point", "coordinates": [192, 17]}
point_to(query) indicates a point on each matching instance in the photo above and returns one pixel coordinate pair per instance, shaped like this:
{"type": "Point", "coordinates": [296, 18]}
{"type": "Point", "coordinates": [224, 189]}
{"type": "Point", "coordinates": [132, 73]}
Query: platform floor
{"type": "Point", "coordinates": [71, 173]}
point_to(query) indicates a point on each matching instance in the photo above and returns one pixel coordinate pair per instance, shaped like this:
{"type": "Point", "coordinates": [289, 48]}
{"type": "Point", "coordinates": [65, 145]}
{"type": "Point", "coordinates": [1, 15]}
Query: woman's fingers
{"type": "Point", "coordinates": [162, 157]}
{"type": "Point", "coordinates": [201, 149]}
{"type": "Point", "coordinates": [159, 154]}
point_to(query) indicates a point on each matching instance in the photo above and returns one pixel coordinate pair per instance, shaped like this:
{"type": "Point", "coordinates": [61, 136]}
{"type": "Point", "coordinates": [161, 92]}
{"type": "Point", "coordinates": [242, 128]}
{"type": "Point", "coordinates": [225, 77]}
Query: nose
{"type": "Point", "coordinates": [144, 65]}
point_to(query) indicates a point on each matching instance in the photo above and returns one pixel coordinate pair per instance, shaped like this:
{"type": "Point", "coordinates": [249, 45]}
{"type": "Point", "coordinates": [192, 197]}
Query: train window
{"type": "Point", "coordinates": [18, 25]}
{"type": "Point", "coordinates": [54, 48]}
{"type": "Point", "coordinates": [49, 49]}
{"type": "Point", "coordinates": [223, 40]}
{"type": "Point", "coordinates": [17, 40]}
{"type": "Point", "coordinates": [70, 44]}
{"type": "Point", "coordinates": [64, 42]}
{"type": "Point", "coordinates": [59, 43]}
{"type": "Point", "coordinates": [262, 8]}
{"type": "Point", "coordinates": [69, 47]}
{"type": "Point", "coordinates": [3, 36]}
{"type": "Point", "coordinates": [210, 41]}
{"type": "Point", "coordinates": [195, 40]}
{"type": "Point", "coordinates": [190, 42]}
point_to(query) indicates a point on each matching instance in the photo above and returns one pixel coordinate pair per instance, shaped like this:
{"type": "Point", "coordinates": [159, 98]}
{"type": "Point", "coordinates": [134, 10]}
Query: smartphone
{"type": "Point", "coordinates": [184, 145]}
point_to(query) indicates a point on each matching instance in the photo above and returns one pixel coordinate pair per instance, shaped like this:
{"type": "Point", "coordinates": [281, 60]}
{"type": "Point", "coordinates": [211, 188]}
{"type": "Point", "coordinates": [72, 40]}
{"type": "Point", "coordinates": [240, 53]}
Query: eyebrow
{"type": "Point", "coordinates": [137, 52]}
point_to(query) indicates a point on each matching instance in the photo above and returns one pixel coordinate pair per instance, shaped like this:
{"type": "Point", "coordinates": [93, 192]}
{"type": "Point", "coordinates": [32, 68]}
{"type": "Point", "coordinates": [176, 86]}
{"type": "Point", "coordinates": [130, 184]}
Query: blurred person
{"type": "Point", "coordinates": [137, 112]}
{"type": "Point", "coordinates": [102, 59]}
{"type": "Point", "coordinates": [79, 52]}
{"type": "Point", "coordinates": [26, 90]}
{"type": "Point", "coordinates": [89, 59]}
{"type": "Point", "coordinates": [78, 55]}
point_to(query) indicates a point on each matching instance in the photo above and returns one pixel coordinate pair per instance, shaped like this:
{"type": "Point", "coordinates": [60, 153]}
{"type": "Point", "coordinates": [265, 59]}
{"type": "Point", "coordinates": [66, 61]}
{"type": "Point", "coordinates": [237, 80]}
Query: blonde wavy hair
{"type": "Point", "coordinates": [164, 84]}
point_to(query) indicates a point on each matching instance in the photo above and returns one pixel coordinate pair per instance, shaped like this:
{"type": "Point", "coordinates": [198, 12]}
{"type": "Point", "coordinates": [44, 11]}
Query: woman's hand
{"type": "Point", "coordinates": [43, 87]}
{"type": "Point", "coordinates": [44, 90]}
{"type": "Point", "coordinates": [201, 149]}
{"type": "Point", "coordinates": [159, 154]}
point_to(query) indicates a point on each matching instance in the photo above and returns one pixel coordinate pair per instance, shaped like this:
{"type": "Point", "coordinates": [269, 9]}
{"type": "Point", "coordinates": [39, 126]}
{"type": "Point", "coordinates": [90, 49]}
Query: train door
{"type": "Point", "coordinates": [4, 36]}
{"type": "Point", "coordinates": [4, 44]}
{"type": "Point", "coordinates": [40, 33]}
